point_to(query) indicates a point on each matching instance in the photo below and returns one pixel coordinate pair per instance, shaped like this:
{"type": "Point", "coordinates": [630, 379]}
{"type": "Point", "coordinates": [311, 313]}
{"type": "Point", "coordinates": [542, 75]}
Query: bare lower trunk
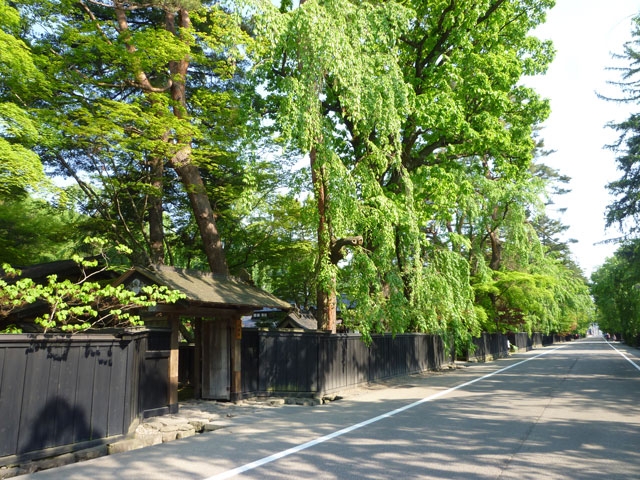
{"type": "Point", "coordinates": [496, 251]}
{"type": "Point", "coordinates": [327, 309]}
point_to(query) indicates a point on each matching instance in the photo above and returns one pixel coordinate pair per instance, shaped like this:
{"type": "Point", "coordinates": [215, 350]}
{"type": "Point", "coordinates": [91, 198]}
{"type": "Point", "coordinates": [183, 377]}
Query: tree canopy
{"type": "Point", "coordinates": [616, 284]}
{"type": "Point", "coordinates": [624, 211]}
{"type": "Point", "coordinates": [372, 158]}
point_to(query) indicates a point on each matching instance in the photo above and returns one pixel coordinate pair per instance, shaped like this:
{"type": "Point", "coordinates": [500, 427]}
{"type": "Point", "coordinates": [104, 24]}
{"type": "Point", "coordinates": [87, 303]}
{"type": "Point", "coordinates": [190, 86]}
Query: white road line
{"type": "Point", "coordinates": [625, 357]}
{"type": "Point", "coordinates": [276, 456]}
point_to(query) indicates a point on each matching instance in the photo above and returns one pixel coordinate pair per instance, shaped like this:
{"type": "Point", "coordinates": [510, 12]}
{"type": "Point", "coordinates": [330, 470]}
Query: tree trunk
{"type": "Point", "coordinates": [326, 294]}
{"type": "Point", "coordinates": [203, 213]}
{"type": "Point", "coordinates": [181, 161]}
{"type": "Point", "coordinates": [156, 227]}
{"type": "Point", "coordinates": [496, 250]}
{"type": "Point", "coordinates": [327, 308]}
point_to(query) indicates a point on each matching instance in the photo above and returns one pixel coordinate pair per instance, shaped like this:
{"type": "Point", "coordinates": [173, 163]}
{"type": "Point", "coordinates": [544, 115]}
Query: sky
{"type": "Point", "coordinates": [585, 34]}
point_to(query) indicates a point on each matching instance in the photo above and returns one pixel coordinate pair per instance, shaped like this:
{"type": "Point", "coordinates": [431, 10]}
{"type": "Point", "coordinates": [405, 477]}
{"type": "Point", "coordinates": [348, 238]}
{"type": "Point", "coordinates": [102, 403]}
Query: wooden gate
{"type": "Point", "coordinates": [216, 360]}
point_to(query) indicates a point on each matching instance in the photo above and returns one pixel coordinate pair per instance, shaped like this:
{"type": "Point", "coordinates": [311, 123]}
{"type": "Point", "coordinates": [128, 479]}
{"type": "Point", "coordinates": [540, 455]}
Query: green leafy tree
{"type": "Point", "coordinates": [20, 82]}
{"type": "Point", "coordinates": [418, 135]}
{"type": "Point", "coordinates": [615, 283]}
{"type": "Point", "coordinates": [382, 147]}
{"type": "Point", "coordinates": [143, 101]}
{"type": "Point", "coordinates": [521, 279]}
{"type": "Point", "coordinates": [274, 243]}
{"type": "Point", "coordinates": [34, 231]}
{"type": "Point", "coordinates": [624, 211]}
{"type": "Point", "coordinates": [331, 67]}
{"type": "Point", "coordinates": [547, 298]}
{"type": "Point", "coordinates": [616, 292]}
{"type": "Point", "coordinates": [77, 306]}
{"type": "Point", "coordinates": [549, 231]}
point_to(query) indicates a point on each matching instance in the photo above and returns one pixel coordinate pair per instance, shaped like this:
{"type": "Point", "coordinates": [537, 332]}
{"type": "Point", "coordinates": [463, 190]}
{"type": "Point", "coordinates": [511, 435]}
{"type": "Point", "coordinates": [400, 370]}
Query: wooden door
{"type": "Point", "coordinates": [216, 360]}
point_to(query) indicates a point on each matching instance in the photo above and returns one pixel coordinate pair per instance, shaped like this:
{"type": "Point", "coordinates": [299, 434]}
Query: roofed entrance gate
{"type": "Point", "coordinates": [216, 304]}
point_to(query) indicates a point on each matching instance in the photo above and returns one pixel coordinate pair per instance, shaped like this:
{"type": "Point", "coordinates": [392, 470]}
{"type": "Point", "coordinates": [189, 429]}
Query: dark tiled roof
{"type": "Point", "coordinates": [206, 288]}
{"type": "Point", "coordinates": [297, 319]}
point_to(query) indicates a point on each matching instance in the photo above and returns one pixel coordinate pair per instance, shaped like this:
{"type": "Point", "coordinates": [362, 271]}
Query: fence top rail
{"type": "Point", "coordinates": [106, 336]}
{"type": "Point", "coordinates": [321, 333]}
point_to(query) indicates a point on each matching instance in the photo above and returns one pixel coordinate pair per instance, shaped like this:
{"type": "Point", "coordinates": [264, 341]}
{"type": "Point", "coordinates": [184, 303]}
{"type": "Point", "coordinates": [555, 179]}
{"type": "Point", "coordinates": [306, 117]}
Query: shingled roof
{"type": "Point", "coordinates": [298, 319]}
{"type": "Point", "coordinates": [205, 288]}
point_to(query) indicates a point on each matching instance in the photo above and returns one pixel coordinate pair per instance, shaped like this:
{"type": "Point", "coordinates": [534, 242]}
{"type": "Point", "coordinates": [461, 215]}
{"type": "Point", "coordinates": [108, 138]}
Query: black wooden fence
{"type": "Point", "coordinates": [521, 340]}
{"type": "Point", "coordinates": [489, 346]}
{"type": "Point", "coordinates": [64, 393]}
{"type": "Point", "coordinates": [312, 363]}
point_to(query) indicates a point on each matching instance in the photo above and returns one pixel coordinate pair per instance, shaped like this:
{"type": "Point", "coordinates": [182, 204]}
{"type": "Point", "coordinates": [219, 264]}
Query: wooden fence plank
{"type": "Point", "coordinates": [14, 367]}
{"type": "Point", "coordinates": [34, 401]}
{"type": "Point", "coordinates": [315, 362]}
{"type": "Point", "coordinates": [67, 395]}
{"type": "Point", "coordinates": [81, 409]}
{"type": "Point", "coordinates": [101, 355]}
{"type": "Point", "coordinates": [120, 376]}
{"type": "Point", "coordinates": [63, 392]}
{"type": "Point", "coordinates": [250, 358]}
{"type": "Point", "coordinates": [53, 425]}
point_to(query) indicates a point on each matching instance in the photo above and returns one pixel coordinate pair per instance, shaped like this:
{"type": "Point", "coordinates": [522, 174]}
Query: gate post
{"type": "Point", "coordinates": [236, 358]}
{"type": "Point", "coordinates": [173, 364]}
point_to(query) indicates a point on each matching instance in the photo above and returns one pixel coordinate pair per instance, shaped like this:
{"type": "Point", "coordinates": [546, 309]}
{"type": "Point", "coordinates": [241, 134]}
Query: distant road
{"type": "Point", "coordinates": [569, 411]}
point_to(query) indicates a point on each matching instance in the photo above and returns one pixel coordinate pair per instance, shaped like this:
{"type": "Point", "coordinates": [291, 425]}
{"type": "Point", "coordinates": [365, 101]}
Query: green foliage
{"type": "Point", "coordinates": [20, 167]}
{"type": "Point", "coordinates": [429, 162]}
{"type": "Point", "coordinates": [122, 117]}
{"type": "Point", "coordinates": [273, 241]}
{"type": "Point", "coordinates": [331, 73]}
{"type": "Point", "coordinates": [77, 306]}
{"type": "Point", "coordinates": [547, 297]}
{"type": "Point", "coordinates": [448, 299]}
{"type": "Point", "coordinates": [34, 231]}
{"type": "Point", "coordinates": [615, 284]}
{"type": "Point", "coordinates": [616, 291]}
{"type": "Point", "coordinates": [419, 136]}
{"type": "Point", "coordinates": [624, 211]}
{"type": "Point", "coordinates": [464, 61]}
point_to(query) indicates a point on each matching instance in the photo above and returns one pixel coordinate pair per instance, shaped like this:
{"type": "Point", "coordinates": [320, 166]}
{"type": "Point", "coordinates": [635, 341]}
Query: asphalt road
{"type": "Point", "coordinates": [562, 412]}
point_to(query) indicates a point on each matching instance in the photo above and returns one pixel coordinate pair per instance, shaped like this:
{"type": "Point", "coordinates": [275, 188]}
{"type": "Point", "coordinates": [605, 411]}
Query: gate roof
{"type": "Point", "coordinates": [203, 288]}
